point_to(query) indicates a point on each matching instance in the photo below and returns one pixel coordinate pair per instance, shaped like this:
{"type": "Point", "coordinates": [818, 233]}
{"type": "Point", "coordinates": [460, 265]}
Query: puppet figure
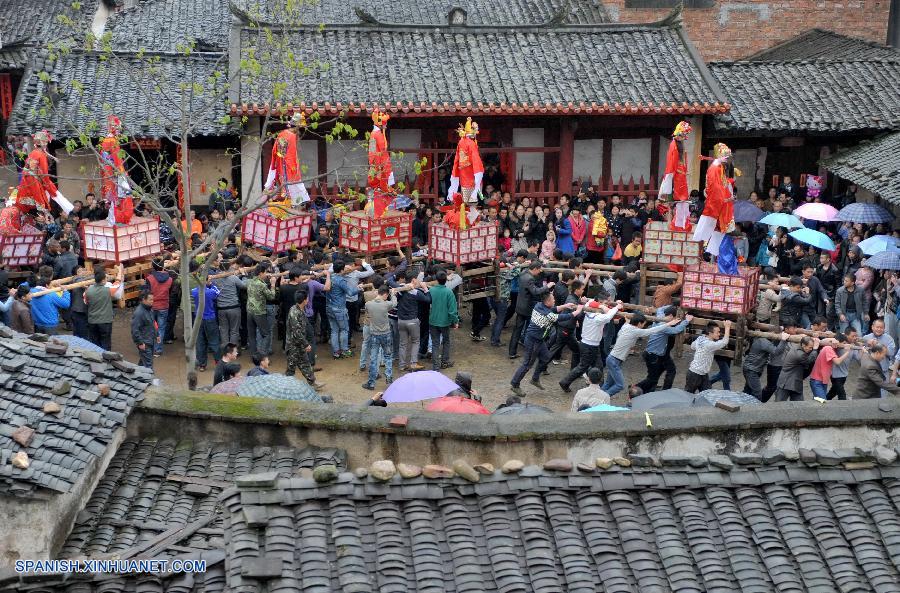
{"type": "Point", "coordinates": [718, 214]}
{"type": "Point", "coordinates": [381, 176]}
{"type": "Point", "coordinates": [674, 182]}
{"type": "Point", "coordinates": [114, 186]}
{"type": "Point", "coordinates": [284, 169]}
{"type": "Point", "coordinates": [36, 189]}
{"type": "Point", "coordinates": [467, 166]}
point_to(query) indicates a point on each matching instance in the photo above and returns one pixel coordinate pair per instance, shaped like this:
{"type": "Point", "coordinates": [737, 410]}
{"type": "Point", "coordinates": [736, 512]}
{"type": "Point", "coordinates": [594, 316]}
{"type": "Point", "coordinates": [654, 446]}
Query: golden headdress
{"type": "Point", "coordinates": [682, 130]}
{"type": "Point", "coordinates": [380, 118]}
{"type": "Point", "coordinates": [469, 129]}
{"type": "Point", "coordinates": [721, 150]}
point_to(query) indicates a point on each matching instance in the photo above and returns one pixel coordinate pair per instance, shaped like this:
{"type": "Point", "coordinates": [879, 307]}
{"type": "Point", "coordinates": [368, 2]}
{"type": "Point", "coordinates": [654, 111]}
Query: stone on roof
{"type": "Point", "coordinates": [819, 44]}
{"type": "Point", "coordinates": [809, 97]}
{"type": "Point", "coordinates": [63, 443]}
{"type": "Point", "coordinates": [636, 69]}
{"type": "Point", "coordinates": [123, 82]}
{"type": "Point", "coordinates": [873, 164]}
{"type": "Point", "coordinates": [430, 12]}
{"type": "Point", "coordinates": [153, 486]}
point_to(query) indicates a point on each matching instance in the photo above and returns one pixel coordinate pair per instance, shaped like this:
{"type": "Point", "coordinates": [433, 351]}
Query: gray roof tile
{"type": "Point", "coordinates": [874, 165]}
{"type": "Point", "coordinates": [817, 44]}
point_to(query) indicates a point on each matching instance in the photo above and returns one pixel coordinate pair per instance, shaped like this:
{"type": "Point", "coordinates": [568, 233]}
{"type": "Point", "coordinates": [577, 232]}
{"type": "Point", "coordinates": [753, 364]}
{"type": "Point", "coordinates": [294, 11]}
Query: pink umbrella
{"type": "Point", "coordinates": [418, 386]}
{"type": "Point", "coordinates": [457, 405]}
{"type": "Point", "coordinates": [816, 211]}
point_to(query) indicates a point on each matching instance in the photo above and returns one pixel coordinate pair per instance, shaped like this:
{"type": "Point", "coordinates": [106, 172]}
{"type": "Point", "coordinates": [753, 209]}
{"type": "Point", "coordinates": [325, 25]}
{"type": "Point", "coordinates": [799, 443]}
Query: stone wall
{"type": "Point", "coordinates": [724, 30]}
{"type": "Point", "coordinates": [429, 438]}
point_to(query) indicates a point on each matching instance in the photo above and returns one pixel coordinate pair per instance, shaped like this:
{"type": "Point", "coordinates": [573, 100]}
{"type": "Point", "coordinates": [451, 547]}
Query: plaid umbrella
{"type": "Point", "coordinates": [229, 386]}
{"type": "Point", "coordinates": [886, 260]}
{"type": "Point", "coordinates": [78, 343]}
{"type": "Point", "coordinates": [879, 243]}
{"type": "Point", "coordinates": [864, 213]}
{"type": "Point", "coordinates": [733, 397]}
{"type": "Point", "coordinates": [277, 387]}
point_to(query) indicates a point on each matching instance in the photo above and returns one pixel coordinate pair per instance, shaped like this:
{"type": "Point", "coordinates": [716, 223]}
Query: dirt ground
{"type": "Point", "coordinates": [490, 367]}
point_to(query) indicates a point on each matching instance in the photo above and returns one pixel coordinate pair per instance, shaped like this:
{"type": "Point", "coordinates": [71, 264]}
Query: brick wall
{"type": "Point", "coordinates": [727, 30]}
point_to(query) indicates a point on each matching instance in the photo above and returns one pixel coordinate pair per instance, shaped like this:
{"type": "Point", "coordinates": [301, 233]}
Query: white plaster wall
{"type": "Point", "coordinates": [663, 151]}
{"type": "Point", "coordinates": [251, 178]}
{"type": "Point", "coordinates": [348, 162]}
{"type": "Point", "coordinates": [309, 161]}
{"type": "Point", "coordinates": [404, 140]}
{"type": "Point", "coordinates": [207, 166]}
{"type": "Point", "coordinates": [529, 165]}
{"type": "Point", "coordinates": [77, 174]}
{"type": "Point", "coordinates": [745, 160]}
{"type": "Point", "coordinates": [630, 158]}
{"type": "Point", "coordinates": [588, 160]}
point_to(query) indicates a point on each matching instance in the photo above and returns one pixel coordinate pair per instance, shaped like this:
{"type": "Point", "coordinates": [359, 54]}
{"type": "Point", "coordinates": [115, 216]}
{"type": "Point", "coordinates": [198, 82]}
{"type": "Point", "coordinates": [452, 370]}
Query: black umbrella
{"type": "Point", "coordinates": [667, 398]}
{"type": "Point", "coordinates": [732, 397]}
{"type": "Point", "coordinates": [521, 410]}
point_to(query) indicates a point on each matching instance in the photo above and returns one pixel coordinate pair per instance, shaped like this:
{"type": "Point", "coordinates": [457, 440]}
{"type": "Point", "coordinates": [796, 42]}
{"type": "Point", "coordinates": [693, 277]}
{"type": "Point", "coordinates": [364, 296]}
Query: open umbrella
{"type": "Point", "coordinates": [864, 213]}
{"type": "Point", "coordinates": [278, 387]}
{"type": "Point", "coordinates": [522, 410]}
{"type": "Point", "coordinates": [78, 343]}
{"type": "Point", "coordinates": [606, 408]}
{"type": "Point", "coordinates": [814, 238]}
{"type": "Point", "coordinates": [788, 221]}
{"type": "Point", "coordinates": [667, 398]}
{"type": "Point", "coordinates": [229, 386]}
{"type": "Point", "coordinates": [414, 387]}
{"type": "Point", "coordinates": [733, 397]}
{"type": "Point", "coordinates": [745, 211]}
{"type": "Point", "coordinates": [816, 211]}
{"type": "Point", "coordinates": [886, 260]}
{"type": "Point", "coordinates": [879, 243]}
{"type": "Point", "coordinates": [456, 404]}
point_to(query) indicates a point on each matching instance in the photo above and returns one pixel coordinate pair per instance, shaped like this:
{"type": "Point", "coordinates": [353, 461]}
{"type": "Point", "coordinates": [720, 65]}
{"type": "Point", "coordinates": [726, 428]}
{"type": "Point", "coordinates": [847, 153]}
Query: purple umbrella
{"type": "Point", "coordinates": [745, 211]}
{"type": "Point", "coordinates": [414, 387]}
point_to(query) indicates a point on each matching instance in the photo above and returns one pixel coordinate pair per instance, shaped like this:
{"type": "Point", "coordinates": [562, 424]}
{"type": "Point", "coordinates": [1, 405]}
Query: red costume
{"type": "Point", "coordinates": [467, 166]}
{"type": "Point", "coordinates": [381, 175]}
{"type": "Point", "coordinates": [285, 164]}
{"type": "Point", "coordinates": [114, 186]}
{"type": "Point", "coordinates": [718, 213]}
{"type": "Point", "coordinates": [674, 182]}
{"type": "Point", "coordinates": [36, 189]}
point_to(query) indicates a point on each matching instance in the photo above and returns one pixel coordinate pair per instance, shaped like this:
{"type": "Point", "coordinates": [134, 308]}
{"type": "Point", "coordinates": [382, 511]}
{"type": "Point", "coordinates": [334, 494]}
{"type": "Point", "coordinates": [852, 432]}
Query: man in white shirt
{"type": "Point", "coordinates": [591, 395]}
{"type": "Point", "coordinates": [589, 347]}
{"type": "Point", "coordinates": [629, 334]}
{"type": "Point", "coordinates": [705, 348]}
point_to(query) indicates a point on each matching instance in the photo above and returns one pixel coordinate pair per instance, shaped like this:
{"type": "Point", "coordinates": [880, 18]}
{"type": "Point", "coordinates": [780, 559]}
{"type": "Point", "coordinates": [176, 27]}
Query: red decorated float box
{"type": "Point", "coordinates": [362, 234]}
{"type": "Point", "coordinates": [475, 244]}
{"type": "Point", "coordinates": [707, 289]}
{"type": "Point", "coordinates": [121, 243]}
{"type": "Point", "coordinates": [21, 248]}
{"type": "Point", "coordinates": [264, 230]}
{"type": "Point", "coordinates": [665, 246]}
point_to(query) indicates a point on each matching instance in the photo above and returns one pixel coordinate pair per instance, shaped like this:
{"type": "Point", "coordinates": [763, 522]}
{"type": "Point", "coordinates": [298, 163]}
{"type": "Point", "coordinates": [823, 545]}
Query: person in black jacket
{"type": "Point", "coordinates": [530, 293]}
{"type": "Point", "coordinates": [793, 301]}
{"type": "Point", "coordinates": [566, 329]}
{"type": "Point", "coordinates": [143, 329]}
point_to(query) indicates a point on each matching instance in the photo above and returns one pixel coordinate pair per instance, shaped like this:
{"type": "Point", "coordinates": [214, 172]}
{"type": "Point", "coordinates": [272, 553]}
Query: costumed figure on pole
{"type": "Point", "coordinates": [717, 219]}
{"type": "Point", "coordinates": [468, 169]}
{"type": "Point", "coordinates": [114, 187]}
{"type": "Point", "coordinates": [35, 189]}
{"type": "Point", "coordinates": [381, 175]}
{"type": "Point", "coordinates": [457, 216]}
{"type": "Point", "coordinates": [284, 170]}
{"type": "Point", "coordinates": [675, 182]}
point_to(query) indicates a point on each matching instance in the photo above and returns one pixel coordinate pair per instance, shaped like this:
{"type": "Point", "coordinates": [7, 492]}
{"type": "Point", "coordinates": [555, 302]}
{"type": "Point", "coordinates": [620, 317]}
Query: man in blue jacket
{"type": "Point", "coordinates": [208, 338]}
{"type": "Point", "coordinates": [45, 309]}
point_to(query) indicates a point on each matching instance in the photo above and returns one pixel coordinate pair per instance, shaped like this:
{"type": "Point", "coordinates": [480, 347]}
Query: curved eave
{"type": "Point", "coordinates": [437, 109]}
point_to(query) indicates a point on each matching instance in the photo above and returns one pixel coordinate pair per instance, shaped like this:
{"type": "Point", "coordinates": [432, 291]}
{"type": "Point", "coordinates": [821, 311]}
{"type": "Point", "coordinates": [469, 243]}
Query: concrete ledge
{"type": "Point", "coordinates": [336, 417]}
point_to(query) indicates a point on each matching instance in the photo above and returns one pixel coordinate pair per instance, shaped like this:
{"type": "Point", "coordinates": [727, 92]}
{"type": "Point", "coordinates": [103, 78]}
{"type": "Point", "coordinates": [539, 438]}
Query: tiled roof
{"type": "Point", "coordinates": [873, 164]}
{"type": "Point", "coordinates": [129, 84]}
{"type": "Point", "coordinates": [163, 25]}
{"type": "Point", "coordinates": [28, 22]}
{"type": "Point", "coordinates": [33, 374]}
{"type": "Point", "coordinates": [630, 69]}
{"type": "Point", "coordinates": [152, 486]}
{"type": "Point", "coordinates": [819, 44]}
{"type": "Point", "coordinates": [827, 96]}
{"type": "Point", "coordinates": [429, 12]}
{"type": "Point", "coordinates": [749, 522]}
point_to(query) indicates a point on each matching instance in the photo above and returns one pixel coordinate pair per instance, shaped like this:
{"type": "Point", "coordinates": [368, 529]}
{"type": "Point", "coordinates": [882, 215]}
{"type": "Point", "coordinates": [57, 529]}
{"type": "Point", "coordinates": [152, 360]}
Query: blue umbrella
{"type": "Point", "coordinates": [78, 343]}
{"type": "Point", "coordinates": [864, 213]}
{"type": "Point", "coordinates": [606, 408]}
{"type": "Point", "coordinates": [745, 211]}
{"type": "Point", "coordinates": [788, 221]}
{"type": "Point", "coordinates": [879, 243]}
{"type": "Point", "coordinates": [814, 238]}
{"type": "Point", "coordinates": [886, 260]}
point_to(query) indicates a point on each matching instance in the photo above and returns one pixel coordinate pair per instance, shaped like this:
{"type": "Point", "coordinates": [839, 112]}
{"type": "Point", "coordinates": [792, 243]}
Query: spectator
{"type": "Point", "coordinates": [793, 301]}
{"type": "Point", "coordinates": [443, 315]}
{"type": "Point", "coordinates": [336, 308]}
{"type": "Point", "coordinates": [160, 284]}
{"type": "Point", "coordinates": [851, 305]}
{"type": "Point", "coordinates": [872, 382]}
{"type": "Point", "coordinates": [143, 329]}
{"type": "Point", "coordinates": [297, 343]}
{"type": "Point", "coordinates": [208, 336]}
{"type": "Point", "coordinates": [226, 368]}
{"type": "Point", "coordinates": [592, 395]}
{"type": "Point", "coordinates": [66, 262]}
{"type": "Point", "coordinates": [704, 348]}
{"type": "Point", "coordinates": [260, 366]}
{"type": "Point", "coordinates": [20, 314]}
{"type": "Point", "coordinates": [769, 301]}
{"type": "Point", "coordinates": [99, 299]}
{"type": "Point", "coordinates": [380, 335]}
{"type": "Point", "coordinates": [408, 323]}
{"type": "Point", "coordinates": [221, 199]}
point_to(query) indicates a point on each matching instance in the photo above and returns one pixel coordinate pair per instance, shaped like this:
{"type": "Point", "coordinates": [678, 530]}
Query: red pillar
{"type": "Point", "coordinates": [566, 155]}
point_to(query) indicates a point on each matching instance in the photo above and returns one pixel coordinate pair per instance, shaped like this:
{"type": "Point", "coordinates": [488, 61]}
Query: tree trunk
{"type": "Point", "coordinates": [190, 341]}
